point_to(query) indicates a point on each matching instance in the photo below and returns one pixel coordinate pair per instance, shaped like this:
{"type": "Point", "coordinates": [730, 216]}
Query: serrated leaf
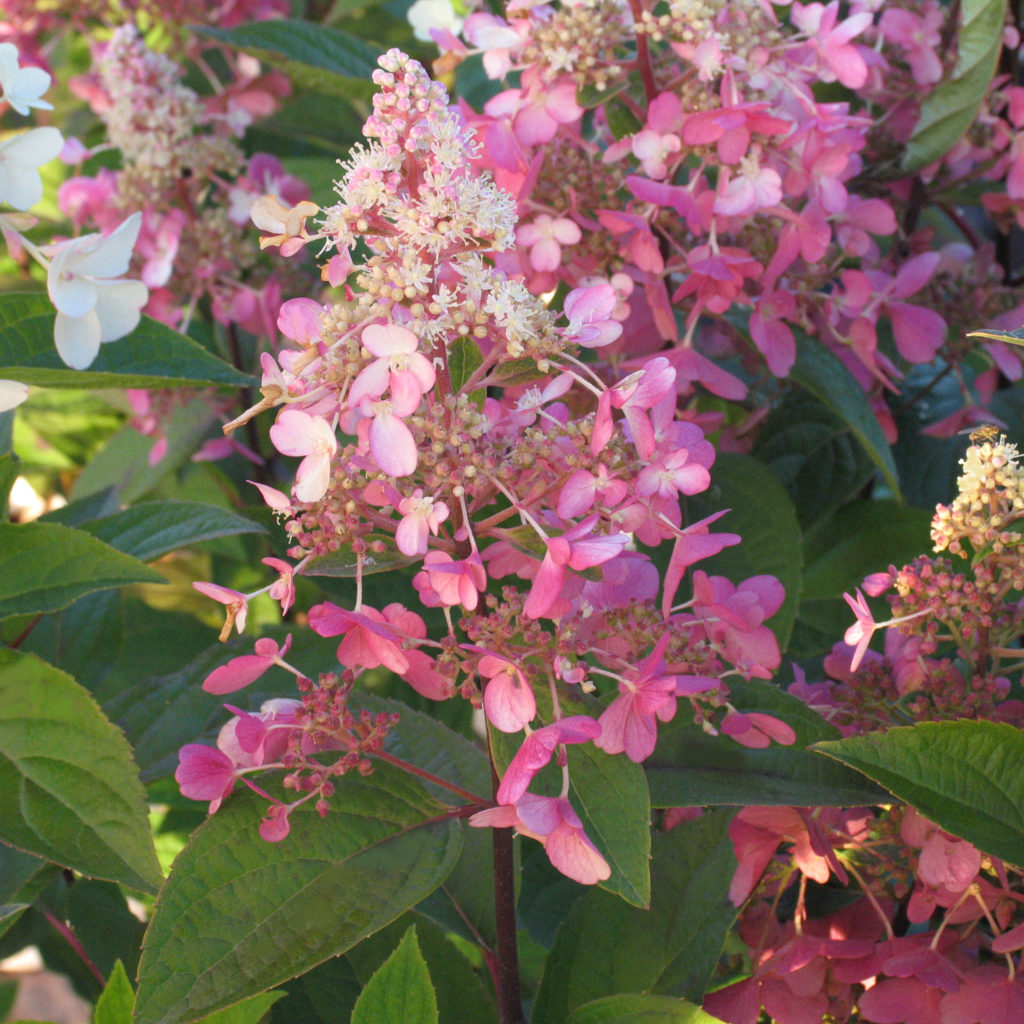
{"type": "Point", "coordinates": [69, 790]}
{"type": "Point", "coordinates": [154, 528]}
{"type": "Point", "coordinates": [513, 372]}
{"type": "Point", "coordinates": [239, 915]}
{"type": "Point", "coordinates": [614, 805]}
{"type": "Point", "coordinates": [313, 56]}
{"type": "Point", "coordinates": [949, 109]}
{"type": "Point", "coordinates": [46, 566]}
{"type": "Point", "coordinates": [400, 992]}
{"type": "Point", "coordinates": [822, 374]}
{"type": "Point", "coordinates": [114, 1006]}
{"type": "Point", "coordinates": [688, 767]}
{"type": "Point", "coordinates": [152, 356]}
{"type": "Point", "coordinates": [464, 358]}
{"type": "Point", "coordinates": [640, 1009]}
{"type": "Point", "coordinates": [605, 946]}
{"type": "Point", "coordinates": [965, 776]}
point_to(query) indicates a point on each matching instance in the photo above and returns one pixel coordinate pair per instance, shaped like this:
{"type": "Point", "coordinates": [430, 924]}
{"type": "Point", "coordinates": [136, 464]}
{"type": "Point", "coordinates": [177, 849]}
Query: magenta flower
{"type": "Point", "coordinates": [553, 822]}
{"type": "Point", "coordinates": [538, 749]}
{"type": "Point", "coordinates": [590, 311]}
{"type": "Point", "coordinates": [204, 773]}
{"type": "Point", "coordinates": [645, 694]}
{"type": "Point", "coordinates": [370, 639]}
{"type": "Point", "coordinates": [577, 548]}
{"type": "Point", "coordinates": [298, 433]}
{"type": "Point", "coordinates": [508, 698]}
{"type": "Point", "coordinates": [756, 731]}
{"type": "Point", "coordinates": [858, 636]}
{"type": "Point", "coordinates": [447, 582]}
{"type": "Point", "coordinates": [240, 672]}
{"type": "Point", "coordinates": [282, 590]}
{"type": "Point", "coordinates": [237, 606]}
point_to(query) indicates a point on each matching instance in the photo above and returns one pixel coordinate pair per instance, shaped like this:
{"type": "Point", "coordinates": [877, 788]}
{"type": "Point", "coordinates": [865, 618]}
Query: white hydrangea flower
{"type": "Point", "coordinates": [12, 394]}
{"type": "Point", "coordinates": [22, 87]}
{"type": "Point", "coordinates": [20, 156]}
{"type": "Point", "coordinates": [93, 304]}
{"type": "Point", "coordinates": [424, 15]}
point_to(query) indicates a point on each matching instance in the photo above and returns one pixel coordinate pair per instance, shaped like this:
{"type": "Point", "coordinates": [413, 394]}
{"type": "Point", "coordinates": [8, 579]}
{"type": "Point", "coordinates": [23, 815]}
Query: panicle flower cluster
{"type": "Point", "coordinates": [935, 933]}
{"type": "Point", "coordinates": [445, 420]}
{"type": "Point", "coordinates": [732, 208]}
{"type": "Point", "coordinates": [184, 174]}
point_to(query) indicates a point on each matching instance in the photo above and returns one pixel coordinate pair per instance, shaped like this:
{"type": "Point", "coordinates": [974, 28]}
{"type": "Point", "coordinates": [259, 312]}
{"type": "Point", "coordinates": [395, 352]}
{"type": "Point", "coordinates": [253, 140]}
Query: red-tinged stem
{"type": "Point", "coordinates": [473, 798]}
{"type": "Point", "coordinates": [510, 1002]}
{"type": "Point", "coordinates": [643, 52]}
{"type": "Point", "coordinates": [72, 940]}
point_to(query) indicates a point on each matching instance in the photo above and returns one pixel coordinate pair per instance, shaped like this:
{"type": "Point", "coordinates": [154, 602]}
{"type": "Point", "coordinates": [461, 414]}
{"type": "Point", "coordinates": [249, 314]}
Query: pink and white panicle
{"type": "Point", "coordinates": [475, 444]}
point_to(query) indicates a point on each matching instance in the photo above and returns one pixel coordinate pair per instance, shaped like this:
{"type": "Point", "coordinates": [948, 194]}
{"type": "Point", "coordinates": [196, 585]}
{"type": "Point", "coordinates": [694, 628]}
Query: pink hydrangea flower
{"type": "Point", "coordinates": [237, 606]}
{"type": "Point", "coordinates": [420, 518]}
{"type": "Point", "coordinates": [537, 750]}
{"type": "Point", "coordinates": [298, 433]}
{"type": "Point", "coordinates": [241, 671]}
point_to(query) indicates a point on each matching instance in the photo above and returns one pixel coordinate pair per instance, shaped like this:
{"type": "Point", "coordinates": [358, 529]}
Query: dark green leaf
{"type": "Point", "coordinates": [688, 767]}
{"type": "Point", "coordinates": [102, 922]}
{"type": "Point", "coordinates": [68, 788]}
{"type": "Point", "coordinates": [762, 513]}
{"type": "Point", "coordinates": [400, 992]}
{"type": "Point", "coordinates": [114, 1006]}
{"type": "Point", "coordinates": [152, 356]}
{"type": "Point", "coordinates": [948, 110]}
{"type": "Point", "coordinates": [239, 915]}
{"type": "Point", "coordinates": [464, 357]}
{"type": "Point", "coordinates": [614, 805]}
{"type": "Point", "coordinates": [46, 566]}
{"type": "Point", "coordinates": [640, 1009]}
{"type": "Point", "coordinates": [822, 374]}
{"type": "Point", "coordinates": [605, 946]}
{"type": "Point", "coordinates": [154, 528]}
{"type": "Point", "coordinates": [814, 454]}
{"type": "Point", "coordinates": [313, 56]}
{"type": "Point", "coordinates": [965, 776]}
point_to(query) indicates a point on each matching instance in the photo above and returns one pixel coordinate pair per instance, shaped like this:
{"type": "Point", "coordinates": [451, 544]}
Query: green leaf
{"type": "Point", "coordinates": [152, 356]}
{"type": "Point", "coordinates": [154, 528]}
{"type": "Point", "coordinates": [965, 776]}
{"type": "Point", "coordinates": [239, 915]}
{"type": "Point", "coordinates": [123, 464]}
{"type": "Point", "coordinates": [46, 566]}
{"type": "Point", "coordinates": [815, 456]}
{"type": "Point", "coordinates": [344, 565]}
{"type": "Point", "coordinates": [615, 807]}
{"type": "Point", "coordinates": [606, 946]}
{"type": "Point", "coordinates": [949, 109]}
{"type": "Point", "coordinates": [313, 56]}
{"type": "Point", "coordinates": [400, 992]}
{"type": "Point", "coordinates": [22, 878]}
{"type": "Point", "coordinates": [822, 374]}
{"type": "Point", "coordinates": [463, 995]}
{"type": "Point", "coordinates": [640, 1009]}
{"type": "Point", "coordinates": [763, 514]}
{"type": "Point", "coordinates": [8, 474]}
{"type": "Point", "coordinates": [114, 1006]}
{"type": "Point", "coordinates": [99, 916]}
{"type": "Point", "coordinates": [464, 358]}
{"type": "Point", "coordinates": [688, 767]}
{"type": "Point", "coordinates": [68, 788]}
{"type": "Point", "coordinates": [249, 1011]}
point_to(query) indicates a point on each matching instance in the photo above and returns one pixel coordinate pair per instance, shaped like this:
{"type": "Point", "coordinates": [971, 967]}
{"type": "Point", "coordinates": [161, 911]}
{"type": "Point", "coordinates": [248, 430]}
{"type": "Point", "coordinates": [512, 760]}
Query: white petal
{"type": "Point", "coordinates": [77, 339]}
{"type": "Point", "coordinates": [73, 296]}
{"type": "Point", "coordinates": [110, 256]}
{"type": "Point", "coordinates": [119, 307]}
{"type": "Point", "coordinates": [12, 393]}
